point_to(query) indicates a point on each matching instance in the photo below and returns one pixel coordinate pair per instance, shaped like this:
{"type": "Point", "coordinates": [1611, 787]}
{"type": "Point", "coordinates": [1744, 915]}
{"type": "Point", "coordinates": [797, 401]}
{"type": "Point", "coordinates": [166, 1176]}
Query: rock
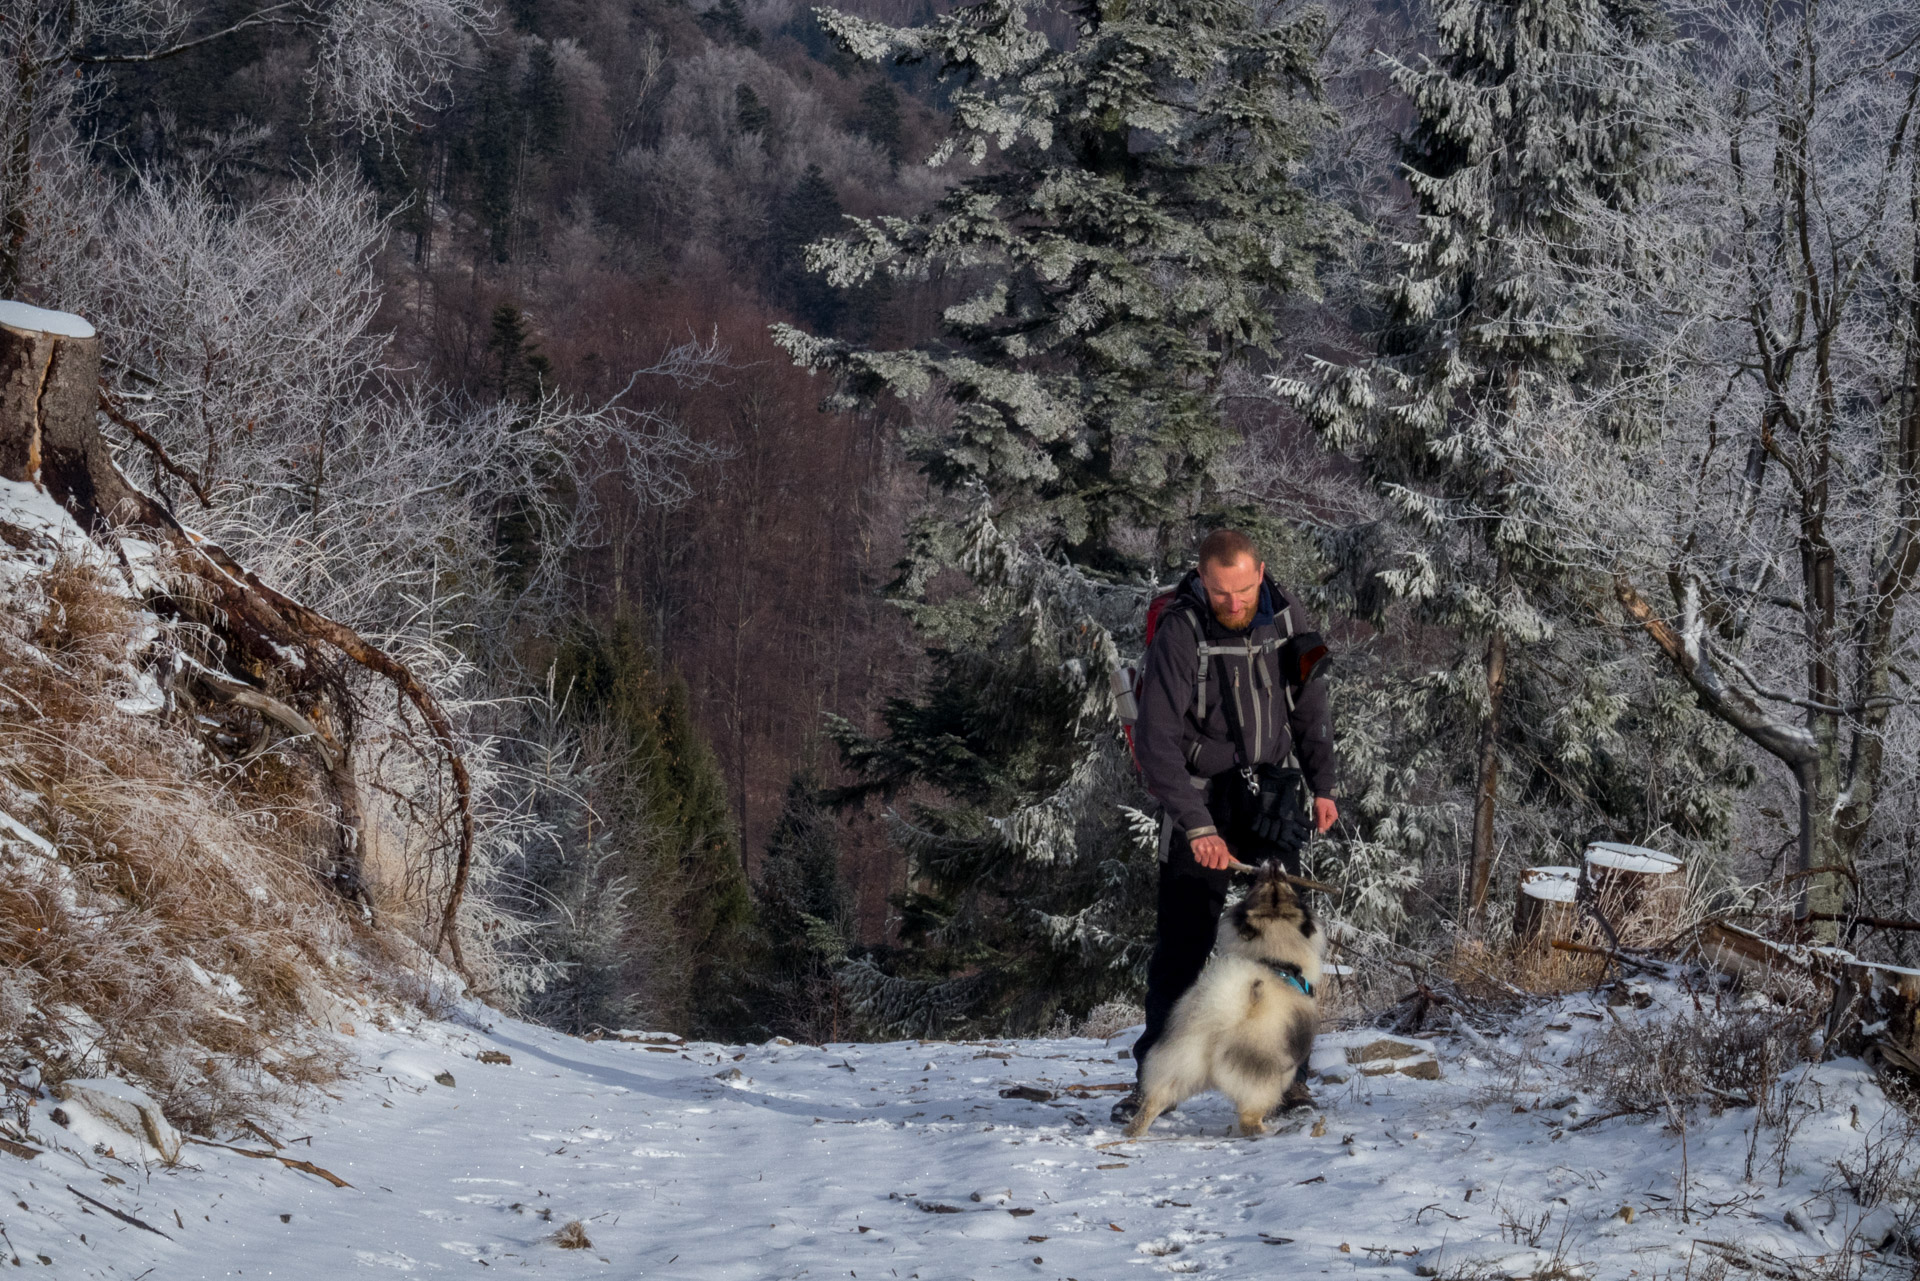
{"type": "Point", "coordinates": [111, 1113]}
{"type": "Point", "coordinates": [1879, 1230]}
{"type": "Point", "coordinates": [443, 1078]}
{"type": "Point", "coordinates": [495, 1056]}
{"type": "Point", "coordinates": [1424, 1070]}
{"type": "Point", "coordinates": [1384, 1048]}
{"type": "Point", "coordinates": [731, 1074]}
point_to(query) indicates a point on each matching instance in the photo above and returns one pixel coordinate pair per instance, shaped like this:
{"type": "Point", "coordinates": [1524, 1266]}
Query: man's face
{"type": "Point", "coordinates": [1234, 591]}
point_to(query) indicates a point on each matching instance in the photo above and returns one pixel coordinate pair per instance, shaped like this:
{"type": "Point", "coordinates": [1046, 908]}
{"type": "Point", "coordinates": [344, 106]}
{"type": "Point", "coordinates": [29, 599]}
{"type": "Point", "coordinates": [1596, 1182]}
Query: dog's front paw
{"type": "Point", "coordinates": [1138, 1126]}
{"type": "Point", "coordinates": [1252, 1124]}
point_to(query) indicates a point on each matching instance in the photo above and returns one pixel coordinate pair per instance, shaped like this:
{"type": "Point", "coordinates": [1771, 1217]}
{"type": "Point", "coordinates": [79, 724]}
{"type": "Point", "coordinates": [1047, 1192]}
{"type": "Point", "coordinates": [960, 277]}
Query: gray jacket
{"type": "Point", "coordinates": [1179, 748]}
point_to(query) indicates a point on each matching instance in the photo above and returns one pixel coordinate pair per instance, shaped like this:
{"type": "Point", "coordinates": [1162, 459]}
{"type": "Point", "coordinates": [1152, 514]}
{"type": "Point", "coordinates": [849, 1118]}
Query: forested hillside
{"type": "Point", "coordinates": [762, 428]}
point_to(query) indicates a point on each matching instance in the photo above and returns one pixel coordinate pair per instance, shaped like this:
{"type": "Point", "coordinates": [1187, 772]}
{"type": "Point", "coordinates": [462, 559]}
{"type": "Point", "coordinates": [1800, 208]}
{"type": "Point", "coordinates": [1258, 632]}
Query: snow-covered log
{"type": "Point", "coordinates": [1873, 1010]}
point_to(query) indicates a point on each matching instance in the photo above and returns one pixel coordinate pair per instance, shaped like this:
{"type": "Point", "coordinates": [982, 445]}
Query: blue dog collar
{"type": "Point", "coordinates": [1291, 974]}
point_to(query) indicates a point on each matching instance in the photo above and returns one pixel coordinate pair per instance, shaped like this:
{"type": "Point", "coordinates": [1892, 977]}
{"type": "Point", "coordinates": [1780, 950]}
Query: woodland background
{"type": "Point", "coordinates": [1574, 379]}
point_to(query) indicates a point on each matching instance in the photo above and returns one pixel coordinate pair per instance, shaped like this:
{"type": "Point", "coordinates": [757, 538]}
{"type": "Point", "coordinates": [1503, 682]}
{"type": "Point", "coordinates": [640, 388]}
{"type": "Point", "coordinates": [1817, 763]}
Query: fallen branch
{"type": "Point", "coordinates": [1624, 958]}
{"type": "Point", "coordinates": [292, 1163]}
{"type": "Point", "coordinates": [357, 648]}
{"type": "Point", "coordinates": [1877, 922]}
{"type": "Point", "coordinates": [1608, 1116]}
{"type": "Point", "coordinates": [121, 1215]}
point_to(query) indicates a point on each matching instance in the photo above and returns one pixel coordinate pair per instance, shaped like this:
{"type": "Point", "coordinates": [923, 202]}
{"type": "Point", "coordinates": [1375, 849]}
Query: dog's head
{"type": "Point", "coordinates": [1272, 921]}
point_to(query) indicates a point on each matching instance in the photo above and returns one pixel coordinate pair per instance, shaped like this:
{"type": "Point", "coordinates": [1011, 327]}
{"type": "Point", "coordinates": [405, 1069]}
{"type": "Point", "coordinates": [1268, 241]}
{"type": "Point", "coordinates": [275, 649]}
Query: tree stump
{"type": "Point", "coordinates": [49, 436]}
{"type": "Point", "coordinates": [1641, 892]}
{"type": "Point", "coordinates": [1545, 907]}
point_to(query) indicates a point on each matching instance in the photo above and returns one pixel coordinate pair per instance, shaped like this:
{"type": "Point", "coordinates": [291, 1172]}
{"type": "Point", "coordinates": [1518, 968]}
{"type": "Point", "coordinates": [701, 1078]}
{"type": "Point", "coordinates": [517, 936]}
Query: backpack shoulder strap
{"type": "Point", "coordinates": [1189, 609]}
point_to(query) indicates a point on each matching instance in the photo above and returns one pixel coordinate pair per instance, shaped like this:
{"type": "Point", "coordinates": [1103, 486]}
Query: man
{"type": "Point", "coordinates": [1228, 704]}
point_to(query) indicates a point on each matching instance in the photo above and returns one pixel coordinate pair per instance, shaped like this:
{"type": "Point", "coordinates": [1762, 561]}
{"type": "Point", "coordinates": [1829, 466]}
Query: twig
{"type": "Point", "coordinates": [118, 1214]}
{"type": "Point", "coordinates": [292, 1163]}
{"type": "Point", "coordinates": [1608, 1116]}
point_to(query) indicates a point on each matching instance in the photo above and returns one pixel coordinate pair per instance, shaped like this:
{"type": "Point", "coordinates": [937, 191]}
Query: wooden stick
{"type": "Point", "coordinates": [1650, 967]}
{"type": "Point", "coordinates": [118, 1214]}
{"type": "Point", "coordinates": [1298, 882]}
{"type": "Point", "coordinates": [1877, 922]}
{"type": "Point", "coordinates": [292, 1163]}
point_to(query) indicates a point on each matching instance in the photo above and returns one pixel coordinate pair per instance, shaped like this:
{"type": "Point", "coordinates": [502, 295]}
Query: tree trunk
{"type": "Point", "coordinates": [18, 176]}
{"type": "Point", "coordinates": [1487, 786]}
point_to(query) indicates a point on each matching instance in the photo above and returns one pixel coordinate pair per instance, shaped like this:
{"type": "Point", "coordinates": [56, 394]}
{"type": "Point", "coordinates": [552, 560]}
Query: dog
{"type": "Point", "coordinates": [1246, 1026]}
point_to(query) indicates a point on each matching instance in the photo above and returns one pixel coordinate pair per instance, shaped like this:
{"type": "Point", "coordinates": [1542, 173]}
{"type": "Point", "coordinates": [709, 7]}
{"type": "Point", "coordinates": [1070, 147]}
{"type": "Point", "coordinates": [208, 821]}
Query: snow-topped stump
{"type": "Point", "coordinates": [1545, 908]}
{"type": "Point", "coordinates": [49, 396]}
{"type": "Point", "coordinates": [115, 1115]}
{"type": "Point", "coordinates": [1641, 891]}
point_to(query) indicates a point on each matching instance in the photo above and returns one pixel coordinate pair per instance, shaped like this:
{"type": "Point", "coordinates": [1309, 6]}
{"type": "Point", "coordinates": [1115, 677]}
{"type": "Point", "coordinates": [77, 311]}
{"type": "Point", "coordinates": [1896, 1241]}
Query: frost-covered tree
{"type": "Point", "coordinates": [369, 63]}
{"type": "Point", "coordinates": [1529, 116]}
{"type": "Point", "coordinates": [1122, 219]}
{"type": "Point", "coordinates": [1766, 536]}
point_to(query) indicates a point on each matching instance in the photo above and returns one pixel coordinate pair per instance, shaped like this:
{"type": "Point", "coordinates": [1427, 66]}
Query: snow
{"type": "Point", "coordinates": [904, 1161]}
{"type": "Point", "coordinates": [1552, 884]}
{"type": "Point", "coordinates": [1630, 858]}
{"type": "Point", "coordinates": [20, 315]}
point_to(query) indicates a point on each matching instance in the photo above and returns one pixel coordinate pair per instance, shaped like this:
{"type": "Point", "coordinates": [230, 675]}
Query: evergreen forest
{"type": "Point", "coordinates": [762, 428]}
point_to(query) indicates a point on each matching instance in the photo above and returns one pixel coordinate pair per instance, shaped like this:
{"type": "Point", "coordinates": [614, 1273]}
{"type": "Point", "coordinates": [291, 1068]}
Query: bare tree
{"type": "Point", "coordinates": [1755, 494]}
{"type": "Point", "coordinates": [372, 62]}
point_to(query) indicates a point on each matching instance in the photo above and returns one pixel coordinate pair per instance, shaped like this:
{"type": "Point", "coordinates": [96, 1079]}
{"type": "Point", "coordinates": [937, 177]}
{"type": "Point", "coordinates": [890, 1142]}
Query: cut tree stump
{"type": "Point", "coordinates": [1642, 892]}
{"type": "Point", "coordinates": [49, 389]}
{"type": "Point", "coordinates": [1545, 907]}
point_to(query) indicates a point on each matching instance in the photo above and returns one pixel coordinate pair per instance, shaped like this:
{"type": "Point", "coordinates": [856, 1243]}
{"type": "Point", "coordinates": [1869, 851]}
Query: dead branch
{"type": "Point", "coordinates": [121, 1215]}
{"type": "Point", "coordinates": [1612, 953]}
{"type": "Point", "coordinates": [111, 408]}
{"type": "Point", "coordinates": [292, 1163]}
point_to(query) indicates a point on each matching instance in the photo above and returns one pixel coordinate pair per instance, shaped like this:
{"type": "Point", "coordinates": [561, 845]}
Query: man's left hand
{"type": "Point", "coordinates": [1325, 813]}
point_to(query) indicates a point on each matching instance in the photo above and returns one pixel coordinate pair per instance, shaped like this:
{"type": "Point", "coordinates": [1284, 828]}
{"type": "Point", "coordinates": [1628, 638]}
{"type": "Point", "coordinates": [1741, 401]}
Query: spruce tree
{"type": "Point", "coordinates": [804, 913]}
{"type": "Point", "coordinates": [808, 212]}
{"type": "Point", "coordinates": [679, 806]}
{"type": "Point", "coordinates": [1123, 218]}
{"type": "Point", "coordinates": [1529, 117]}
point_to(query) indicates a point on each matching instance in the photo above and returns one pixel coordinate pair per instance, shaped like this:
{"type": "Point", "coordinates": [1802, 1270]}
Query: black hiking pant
{"type": "Point", "coordinates": [1191, 899]}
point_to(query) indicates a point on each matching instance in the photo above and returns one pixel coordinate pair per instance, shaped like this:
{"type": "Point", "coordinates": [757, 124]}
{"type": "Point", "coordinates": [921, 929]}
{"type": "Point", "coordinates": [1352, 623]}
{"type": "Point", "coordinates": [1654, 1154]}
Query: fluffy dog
{"type": "Point", "coordinates": [1246, 1026]}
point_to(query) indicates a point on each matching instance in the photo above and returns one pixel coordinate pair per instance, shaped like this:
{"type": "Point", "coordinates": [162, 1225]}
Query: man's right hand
{"type": "Point", "coordinates": [1211, 852]}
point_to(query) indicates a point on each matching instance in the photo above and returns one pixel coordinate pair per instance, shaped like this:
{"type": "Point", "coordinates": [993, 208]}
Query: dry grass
{"type": "Point", "coordinates": [169, 926]}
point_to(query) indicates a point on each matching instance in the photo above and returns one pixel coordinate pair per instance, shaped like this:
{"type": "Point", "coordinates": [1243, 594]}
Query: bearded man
{"type": "Point", "coordinates": [1235, 741]}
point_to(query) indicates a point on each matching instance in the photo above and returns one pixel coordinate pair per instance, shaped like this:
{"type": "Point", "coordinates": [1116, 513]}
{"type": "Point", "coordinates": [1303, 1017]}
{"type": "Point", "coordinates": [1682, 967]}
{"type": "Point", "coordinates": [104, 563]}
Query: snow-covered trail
{"type": "Point", "coordinates": [904, 1160]}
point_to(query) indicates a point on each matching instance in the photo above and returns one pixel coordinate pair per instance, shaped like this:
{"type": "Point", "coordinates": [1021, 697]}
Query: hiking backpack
{"type": "Point", "coordinates": [1302, 657]}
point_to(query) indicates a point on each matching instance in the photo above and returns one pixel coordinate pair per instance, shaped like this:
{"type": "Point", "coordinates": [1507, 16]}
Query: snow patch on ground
{"type": "Point", "coordinates": [904, 1160]}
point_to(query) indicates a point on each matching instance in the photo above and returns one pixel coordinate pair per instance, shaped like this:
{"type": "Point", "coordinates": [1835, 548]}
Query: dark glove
{"type": "Point", "coordinates": [1280, 817]}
